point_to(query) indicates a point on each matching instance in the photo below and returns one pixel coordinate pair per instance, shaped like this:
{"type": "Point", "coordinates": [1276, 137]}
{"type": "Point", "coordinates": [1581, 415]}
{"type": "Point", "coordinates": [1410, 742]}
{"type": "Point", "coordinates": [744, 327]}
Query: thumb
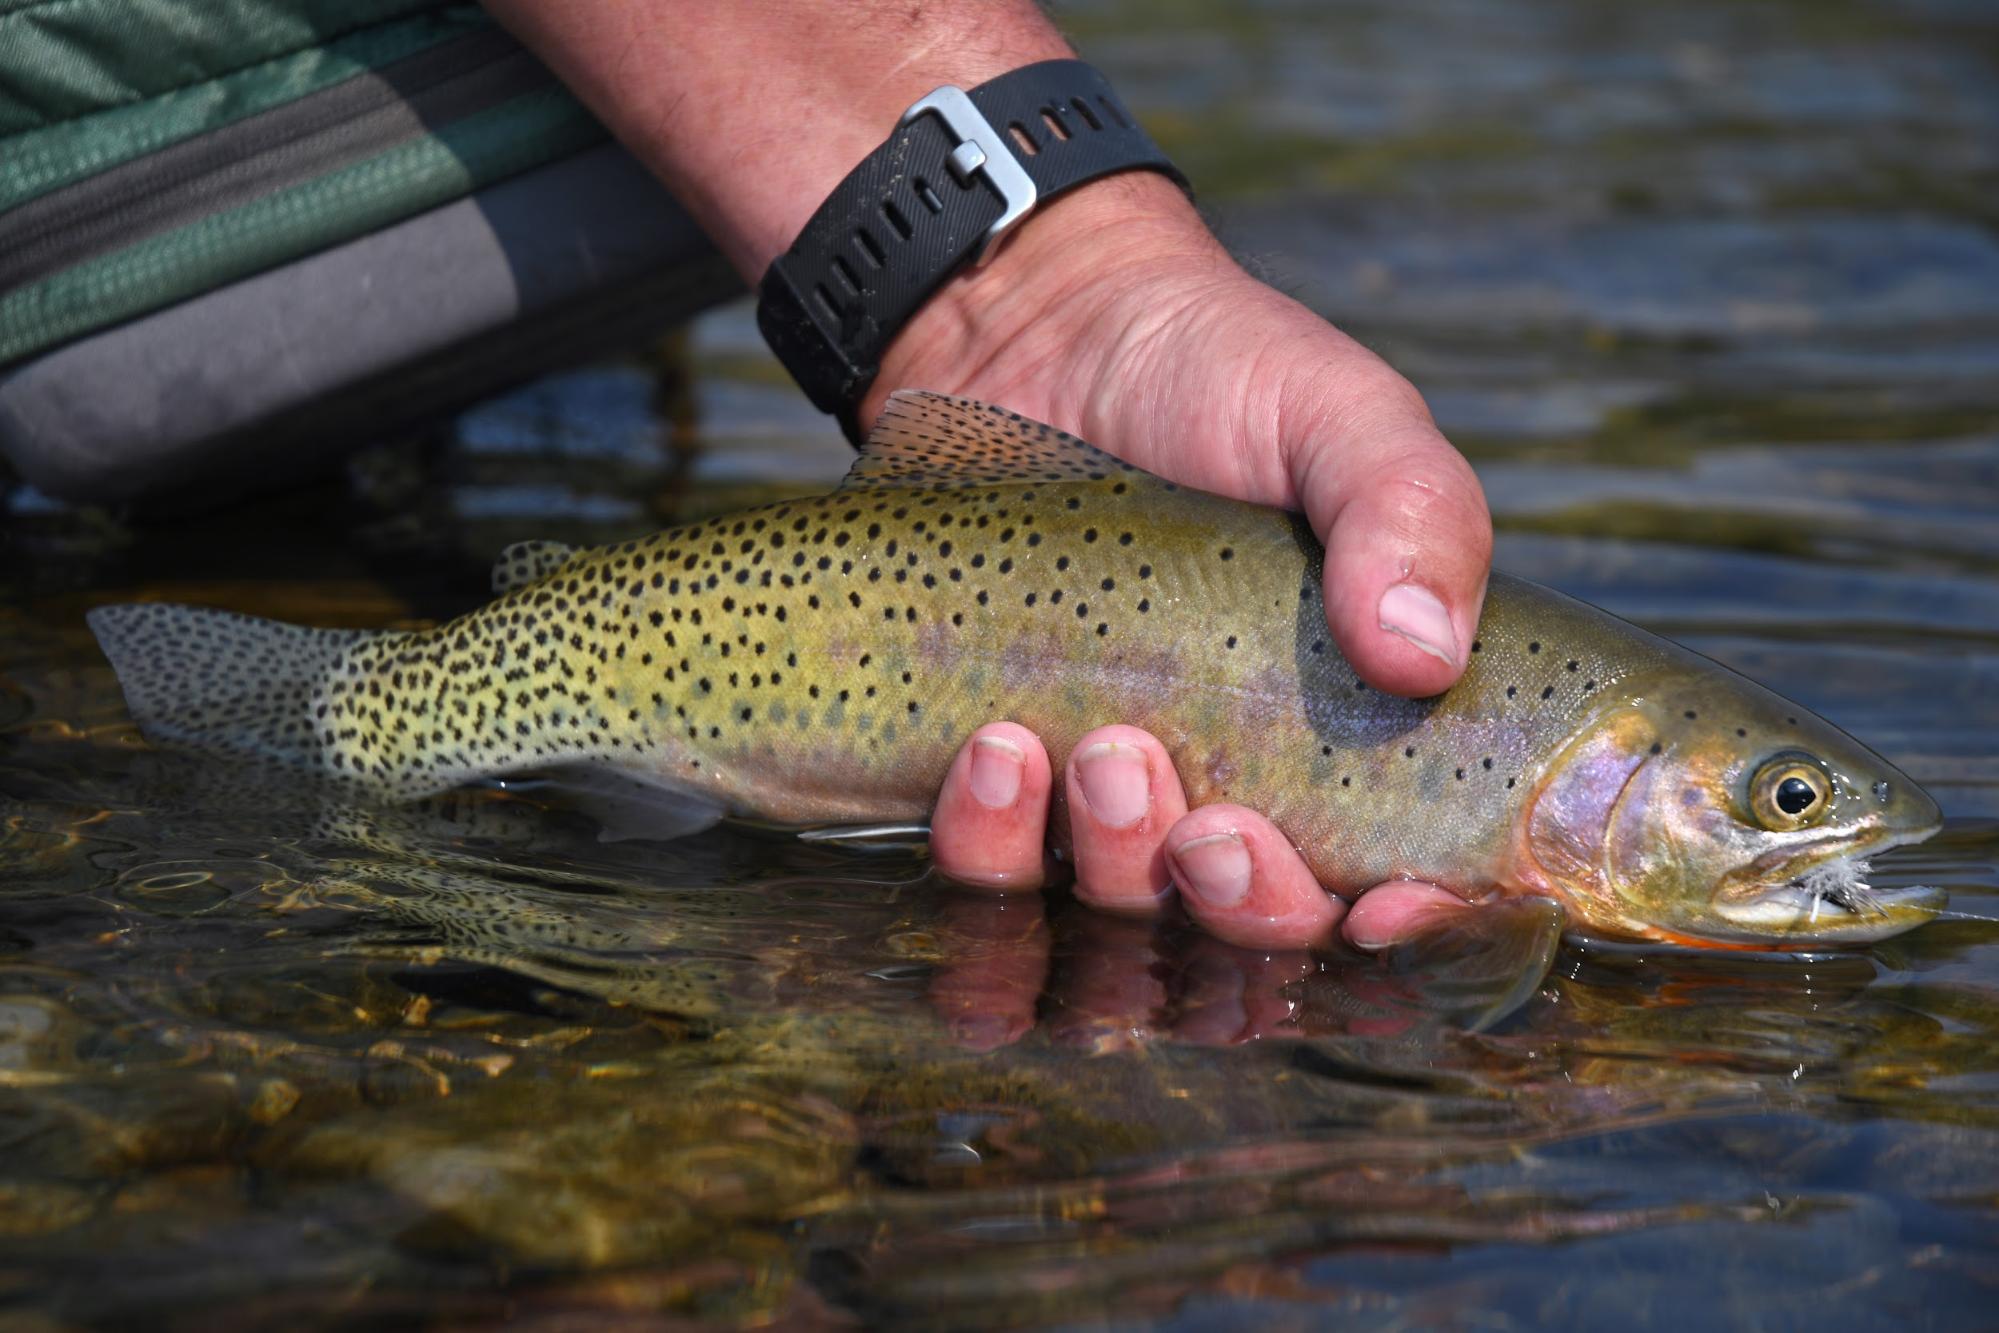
{"type": "Point", "coordinates": [1407, 535]}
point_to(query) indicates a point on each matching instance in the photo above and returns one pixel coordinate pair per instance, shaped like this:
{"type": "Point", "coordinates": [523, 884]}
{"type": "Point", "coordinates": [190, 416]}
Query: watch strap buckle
{"type": "Point", "coordinates": [982, 149]}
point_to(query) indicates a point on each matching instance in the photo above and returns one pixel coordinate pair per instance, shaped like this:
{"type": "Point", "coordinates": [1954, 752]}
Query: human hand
{"type": "Point", "coordinates": [1136, 847]}
{"type": "Point", "coordinates": [1114, 314]}
{"type": "Point", "coordinates": [1122, 320]}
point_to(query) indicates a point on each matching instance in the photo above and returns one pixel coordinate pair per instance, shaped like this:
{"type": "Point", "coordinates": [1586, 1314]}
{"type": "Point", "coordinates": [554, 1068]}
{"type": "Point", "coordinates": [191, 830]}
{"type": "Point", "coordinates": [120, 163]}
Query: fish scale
{"type": "Point", "coordinates": [821, 660]}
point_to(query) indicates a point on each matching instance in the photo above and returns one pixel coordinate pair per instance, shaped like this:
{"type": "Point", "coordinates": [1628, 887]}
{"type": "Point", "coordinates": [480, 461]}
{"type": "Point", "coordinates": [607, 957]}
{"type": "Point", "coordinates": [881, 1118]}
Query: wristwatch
{"type": "Point", "coordinates": [961, 170]}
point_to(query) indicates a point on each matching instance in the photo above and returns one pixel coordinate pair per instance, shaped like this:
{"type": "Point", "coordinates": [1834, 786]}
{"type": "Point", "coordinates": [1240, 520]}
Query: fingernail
{"type": "Point", "coordinates": [1216, 868]}
{"type": "Point", "coordinates": [997, 766]}
{"type": "Point", "coordinates": [1359, 933]}
{"type": "Point", "coordinates": [1116, 783]}
{"type": "Point", "coordinates": [1413, 611]}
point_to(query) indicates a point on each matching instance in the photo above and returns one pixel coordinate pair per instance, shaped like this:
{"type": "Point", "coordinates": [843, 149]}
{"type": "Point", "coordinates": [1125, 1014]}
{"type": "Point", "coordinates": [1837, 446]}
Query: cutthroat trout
{"type": "Point", "coordinates": [820, 661]}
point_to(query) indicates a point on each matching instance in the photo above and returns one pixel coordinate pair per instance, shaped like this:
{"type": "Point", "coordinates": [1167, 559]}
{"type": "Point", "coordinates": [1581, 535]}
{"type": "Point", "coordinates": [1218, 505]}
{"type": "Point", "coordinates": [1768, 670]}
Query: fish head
{"type": "Point", "coordinates": [1712, 812]}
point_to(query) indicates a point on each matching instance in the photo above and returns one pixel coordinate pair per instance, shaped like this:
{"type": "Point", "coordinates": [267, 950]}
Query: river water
{"type": "Point", "coordinates": [1710, 294]}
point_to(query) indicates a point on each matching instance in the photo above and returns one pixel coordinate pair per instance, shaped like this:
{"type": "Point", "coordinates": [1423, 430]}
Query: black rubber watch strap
{"type": "Point", "coordinates": [909, 216]}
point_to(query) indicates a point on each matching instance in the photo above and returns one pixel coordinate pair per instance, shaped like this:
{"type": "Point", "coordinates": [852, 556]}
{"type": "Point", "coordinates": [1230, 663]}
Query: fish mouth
{"type": "Point", "coordinates": [1810, 899]}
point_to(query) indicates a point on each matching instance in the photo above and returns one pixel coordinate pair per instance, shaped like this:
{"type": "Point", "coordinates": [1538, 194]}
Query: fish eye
{"type": "Point", "coordinates": [1790, 793]}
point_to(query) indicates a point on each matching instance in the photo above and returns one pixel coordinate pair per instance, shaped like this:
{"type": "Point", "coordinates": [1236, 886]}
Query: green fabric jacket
{"type": "Point", "coordinates": [151, 150]}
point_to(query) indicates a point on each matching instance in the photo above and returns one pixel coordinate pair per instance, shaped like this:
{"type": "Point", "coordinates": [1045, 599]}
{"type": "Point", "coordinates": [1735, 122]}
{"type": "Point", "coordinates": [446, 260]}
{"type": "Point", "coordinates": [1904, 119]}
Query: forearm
{"type": "Point", "coordinates": [752, 111]}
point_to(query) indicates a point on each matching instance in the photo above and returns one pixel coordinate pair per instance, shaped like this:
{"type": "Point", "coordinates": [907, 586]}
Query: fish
{"type": "Point", "coordinates": [818, 662]}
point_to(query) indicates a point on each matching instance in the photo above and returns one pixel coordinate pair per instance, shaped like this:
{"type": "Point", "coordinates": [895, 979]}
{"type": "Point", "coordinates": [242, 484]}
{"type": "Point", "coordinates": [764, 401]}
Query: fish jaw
{"type": "Point", "coordinates": [1822, 899]}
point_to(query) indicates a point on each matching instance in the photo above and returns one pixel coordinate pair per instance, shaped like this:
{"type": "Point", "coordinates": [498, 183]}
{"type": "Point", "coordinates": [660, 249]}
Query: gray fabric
{"type": "Point", "coordinates": [260, 380]}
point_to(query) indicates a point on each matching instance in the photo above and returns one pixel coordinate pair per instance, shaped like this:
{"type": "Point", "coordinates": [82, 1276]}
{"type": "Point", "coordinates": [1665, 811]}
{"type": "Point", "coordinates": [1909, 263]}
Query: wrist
{"type": "Point", "coordinates": [752, 113]}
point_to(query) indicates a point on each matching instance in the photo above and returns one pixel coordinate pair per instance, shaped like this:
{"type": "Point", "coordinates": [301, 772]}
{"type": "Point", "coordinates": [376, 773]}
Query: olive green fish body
{"type": "Point", "coordinates": [821, 660]}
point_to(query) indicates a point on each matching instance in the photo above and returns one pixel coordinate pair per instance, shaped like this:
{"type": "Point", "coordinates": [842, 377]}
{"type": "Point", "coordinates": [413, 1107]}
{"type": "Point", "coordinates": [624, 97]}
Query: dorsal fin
{"type": "Point", "coordinates": [933, 442]}
{"type": "Point", "coordinates": [528, 562]}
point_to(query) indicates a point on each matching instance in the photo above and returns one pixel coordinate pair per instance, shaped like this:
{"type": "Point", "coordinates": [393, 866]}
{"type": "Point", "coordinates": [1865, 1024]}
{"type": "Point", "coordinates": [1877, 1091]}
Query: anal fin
{"type": "Point", "coordinates": [626, 808]}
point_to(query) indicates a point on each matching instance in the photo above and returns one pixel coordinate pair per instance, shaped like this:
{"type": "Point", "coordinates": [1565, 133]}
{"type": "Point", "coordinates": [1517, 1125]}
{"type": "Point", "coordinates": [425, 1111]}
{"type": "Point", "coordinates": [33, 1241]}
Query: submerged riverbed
{"type": "Point", "coordinates": [1710, 295]}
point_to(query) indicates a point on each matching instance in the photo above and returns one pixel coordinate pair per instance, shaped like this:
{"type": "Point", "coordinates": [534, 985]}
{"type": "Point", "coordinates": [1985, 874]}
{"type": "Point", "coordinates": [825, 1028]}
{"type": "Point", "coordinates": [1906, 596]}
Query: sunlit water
{"type": "Point", "coordinates": [1709, 292]}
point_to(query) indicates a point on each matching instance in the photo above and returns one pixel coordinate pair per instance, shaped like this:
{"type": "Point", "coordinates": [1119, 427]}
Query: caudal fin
{"type": "Point", "coordinates": [215, 680]}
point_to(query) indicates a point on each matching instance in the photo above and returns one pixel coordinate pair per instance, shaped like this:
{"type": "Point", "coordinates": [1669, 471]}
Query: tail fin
{"type": "Point", "coordinates": [215, 680]}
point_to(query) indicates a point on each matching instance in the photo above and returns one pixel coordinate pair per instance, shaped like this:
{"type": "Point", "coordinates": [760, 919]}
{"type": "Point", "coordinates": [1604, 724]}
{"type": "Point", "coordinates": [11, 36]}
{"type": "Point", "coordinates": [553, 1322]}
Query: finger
{"type": "Point", "coordinates": [991, 817]}
{"type": "Point", "coordinates": [1232, 995]}
{"type": "Point", "coordinates": [1123, 796]}
{"type": "Point", "coordinates": [1244, 882]}
{"type": "Point", "coordinates": [1109, 990]}
{"type": "Point", "coordinates": [1390, 913]}
{"type": "Point", "coordinates": [1407, 534]}
{"type": "Point", "coordinates": [997, 962]}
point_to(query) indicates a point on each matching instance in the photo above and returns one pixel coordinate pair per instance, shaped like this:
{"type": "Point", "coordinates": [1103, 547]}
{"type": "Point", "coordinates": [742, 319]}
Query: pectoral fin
{"type": "Point", "coordinates": [869, 838]}
{"type": "Point", "coordinates": [1475, 967]}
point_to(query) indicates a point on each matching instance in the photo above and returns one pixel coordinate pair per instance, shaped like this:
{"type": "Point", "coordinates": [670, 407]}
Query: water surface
{"type": "Point", "coordinates": [1710, 293]}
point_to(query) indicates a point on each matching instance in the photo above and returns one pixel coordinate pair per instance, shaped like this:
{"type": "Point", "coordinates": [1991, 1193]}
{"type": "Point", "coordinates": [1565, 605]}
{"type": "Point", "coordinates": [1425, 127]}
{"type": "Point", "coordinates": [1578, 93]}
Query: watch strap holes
{"type": "Point", "coordinates": [1023, 138]}
{"type": "Point", "coordinates": [1089, 116]}
{"type": "Point", "coordinates": [927, 195]}
{"type": "Point", "coordinates": [1054, 123]}
{"type": "Point", "coordinates": [893, 216]}
{"type": "Point", "coordinates": [846, 272]}
{"type": "Point", "coordinates": [1117, 116]}
{"type": "Point", "coordinates": [870, 246]}
{"type": "Point", "coordinates": [826, 300]}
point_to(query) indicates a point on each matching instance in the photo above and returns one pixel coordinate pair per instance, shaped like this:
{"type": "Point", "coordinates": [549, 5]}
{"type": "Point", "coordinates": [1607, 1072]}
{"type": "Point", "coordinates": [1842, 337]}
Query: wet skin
{"type": "Point", "coordinates": [1137, 848]}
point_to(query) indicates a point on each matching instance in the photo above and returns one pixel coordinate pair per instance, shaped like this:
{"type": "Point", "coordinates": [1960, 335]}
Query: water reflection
{"type": "Point", "coordinates": [756, 1073]}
